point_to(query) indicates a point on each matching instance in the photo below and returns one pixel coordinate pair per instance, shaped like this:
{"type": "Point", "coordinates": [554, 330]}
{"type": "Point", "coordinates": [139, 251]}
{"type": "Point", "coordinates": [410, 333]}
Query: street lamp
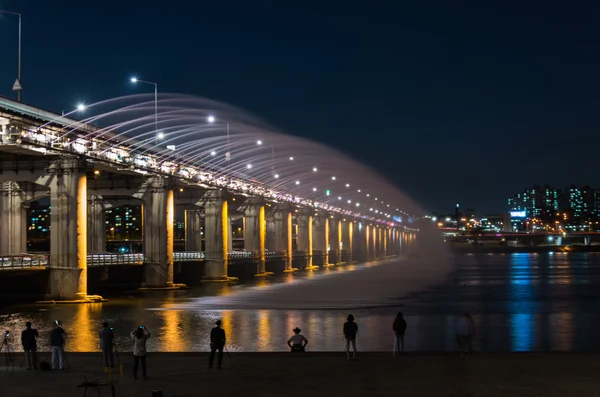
{"type": "Point", "coordinates": [80, 108]}
{"type": "Point", "coordinates": [17, 86]}
{"type": "Point", "coordinates": [156, 134]}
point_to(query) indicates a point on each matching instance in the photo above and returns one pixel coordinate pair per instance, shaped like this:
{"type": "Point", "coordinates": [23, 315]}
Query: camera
{"type": "Point", "coordinates": [112, 329]}
{"type": "Point", "coordinates": [6, 333]}
{"type": "Point", "coordinates": [141, 326]}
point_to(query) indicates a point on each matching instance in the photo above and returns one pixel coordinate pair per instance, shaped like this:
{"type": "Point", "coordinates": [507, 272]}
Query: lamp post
{"type": "Point", "coordinates": [17, 87]}
{"type": "Point", "coordinates": [136, 80]}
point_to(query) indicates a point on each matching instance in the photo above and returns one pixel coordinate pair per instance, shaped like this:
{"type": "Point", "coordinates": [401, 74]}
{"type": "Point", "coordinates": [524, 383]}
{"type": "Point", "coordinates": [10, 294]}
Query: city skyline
{"type": "Point", "coordinates": [425, 106]}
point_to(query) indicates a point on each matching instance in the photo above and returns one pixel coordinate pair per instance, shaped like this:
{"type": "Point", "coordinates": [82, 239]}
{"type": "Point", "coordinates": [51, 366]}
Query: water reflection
{"type": "Point", "coordinates": [521, 302]}
{"type": "Point", "coordinates": [521, 292]}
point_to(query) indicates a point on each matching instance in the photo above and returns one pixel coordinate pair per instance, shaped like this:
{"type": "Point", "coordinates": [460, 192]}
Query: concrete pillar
{"type": "Point", "coordinates": [13, 219]}
{"type": "Point", "coordinates": [587, 240]}
{"type": "Point", "coordinates": [158, 234]}
{"type": "Point", "coordinates": [193, 230]}
{"type": "Point", "coordinates": [347, 227]}
{"type": "Point", "coordinates": [230, 235]}
{"type": "Point", "coordinates": [68, 232]}
{"type": "Point", "coordinates": [335, 240]}
{"type": "Point", "coordinates": [321, 237]}
{"type": "Point", "coordinates": [255, 232]}
{"type": "Point", "coordinates": [216, 226]}
{"type": "Point", "coordinates": [270, 236]}
{"type": "Point", "coordinates": [282, 233]}
{"type": "Point", "coordinates": [305, 236]}
{"type": "Point", "coordinates": [96, 242]}
{"type": "Point", "coordinates": [559, 240]}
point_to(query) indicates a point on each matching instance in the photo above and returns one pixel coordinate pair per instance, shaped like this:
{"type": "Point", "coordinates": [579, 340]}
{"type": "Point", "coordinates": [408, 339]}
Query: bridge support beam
{"type": "Point", "coordinates": [68, 233]}
{"type": "Point", "coordinates": [255, 233]}
{"type": "Point", "coordinates": [587, 240]}
{"type": "Point", "coordinates": [13, 219]}
{"type": "Point", "coordinates": [159, 210]}
{"type": "Point", "coordinates": [347, 227]}
{"type": "Point", "coordinates": [305, 237]}
{"type": "Point", "coordinates": [96, 242]}
{"type": "Point", "coordinates": [216, 233]}
{"type": "Point", "coordinates": [321, 238]}
{"type": "Point", "coordinates": [282, 233]}
{"type": "Point", "coordinates": [335, 240]}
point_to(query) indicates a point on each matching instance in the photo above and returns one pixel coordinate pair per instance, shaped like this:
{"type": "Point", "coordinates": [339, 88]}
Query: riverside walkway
{"type": "Point", "coordinates": [323, 374]}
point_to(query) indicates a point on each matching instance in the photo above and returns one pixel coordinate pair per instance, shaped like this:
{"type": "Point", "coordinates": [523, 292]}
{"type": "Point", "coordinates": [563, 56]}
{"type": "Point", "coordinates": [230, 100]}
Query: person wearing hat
{"type": "Point", "coordinates": [29, 342]}
{"type": "Point", "coordinates": [217, 343]}
{"type": "Point", "coordinates": [297, 342]}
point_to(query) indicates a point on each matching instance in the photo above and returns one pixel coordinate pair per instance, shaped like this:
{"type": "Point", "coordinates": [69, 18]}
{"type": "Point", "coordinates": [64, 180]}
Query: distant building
{"type": "Point", "coordinates": [582, 202]}
{"type": "Point", "coordinates": [124, 222]}
{"type": "Point", "coordinates": [536, 202]}
{"type": "Point", "coordinates": [38, 221]}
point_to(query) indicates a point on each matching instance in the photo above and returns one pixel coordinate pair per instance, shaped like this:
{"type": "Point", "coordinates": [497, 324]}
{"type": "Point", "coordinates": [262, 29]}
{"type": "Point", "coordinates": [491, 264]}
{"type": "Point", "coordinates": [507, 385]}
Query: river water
{"type": "Point", "coordinates": [520, 302]}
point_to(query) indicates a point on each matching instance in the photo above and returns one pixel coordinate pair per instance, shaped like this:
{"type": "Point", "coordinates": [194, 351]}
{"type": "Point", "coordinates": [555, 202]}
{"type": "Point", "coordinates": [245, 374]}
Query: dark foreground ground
{"type": "Point", "coordinates": [325, 374]}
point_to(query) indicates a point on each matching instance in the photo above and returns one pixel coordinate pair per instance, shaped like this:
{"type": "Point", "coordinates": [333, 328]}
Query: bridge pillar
{"type": "Point", "coordinates": [158, 234]}
{"type": "Point", "coordinates": [216, 233]}
{"type": "Point", "coordinates": [347, 227]}
{"type": "Point", "coordinates": [305, 236]}
{"type": "Point", "coordinates": [68, 232]}
{"type": "Point", "coordinates": [193, 230]}
{"type": "Point", "coordinates": [335, 240]}
{"type": "Point", "coordinates": [282, 233]}
{"type": "Point", "coordinates": [255, 233]}
{"type": "Point", "coordinates": [13, 219]}
{"type": "Point", "coordinates": [587, 240]}
{"type": "Point", "coordinates": [375, 243]}
{"type": "Point", "coordinates": [96, 242]}
{"type": "Point", "coordinates": [321, 238]}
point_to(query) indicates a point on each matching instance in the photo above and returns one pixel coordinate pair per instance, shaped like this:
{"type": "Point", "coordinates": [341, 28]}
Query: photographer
{"type": "Point", "coordinates": [139, 336]}
{"type": "Point", "coordinates": [57, 345]}
{"type": "Point", "coordinates": [29, 342]}
{"type": "Point", "coordinates": [107, 340]}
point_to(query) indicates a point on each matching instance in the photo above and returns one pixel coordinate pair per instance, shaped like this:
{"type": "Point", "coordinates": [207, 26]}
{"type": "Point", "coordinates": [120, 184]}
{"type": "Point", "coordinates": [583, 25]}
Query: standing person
{"type": "Point", "coordinates": [29, 342]}
{"type": "Point", "coordinates": [107, 340]}
{"type": "Point", "coordinates": [139, 335]}
{"type": "Point", "coordinates": [57, 346]}
{"type": "Point", "coordinates": [399, 328]}
{"type": "Point", "coordinates": [297, 342]}
{"type": "Point", "coordinates": [217, 342]}
{"type": "Point", "coordinates": [465, 331]}
{"type": "Point", "coordinates": [350, 331]}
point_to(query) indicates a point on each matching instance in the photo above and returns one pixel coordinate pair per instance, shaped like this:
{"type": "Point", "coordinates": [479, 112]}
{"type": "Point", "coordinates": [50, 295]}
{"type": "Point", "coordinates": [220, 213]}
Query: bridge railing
{"type": "Point", "coordinates": [188, 256]}
{"type": "Point", "coordinates": [115, 259]}
{"type": "Point", "coordinates": [23, 261]}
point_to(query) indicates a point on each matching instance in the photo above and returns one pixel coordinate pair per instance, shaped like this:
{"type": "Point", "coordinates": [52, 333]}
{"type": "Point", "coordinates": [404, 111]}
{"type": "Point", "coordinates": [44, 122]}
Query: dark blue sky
{"type": "Point", "coordinates": [453, 103]}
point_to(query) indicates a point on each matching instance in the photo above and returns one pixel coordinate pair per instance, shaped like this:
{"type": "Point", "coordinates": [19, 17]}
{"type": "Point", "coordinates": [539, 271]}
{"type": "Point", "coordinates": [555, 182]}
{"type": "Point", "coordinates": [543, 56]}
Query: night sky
{"type": "Point", "coordinates": [454, 104]}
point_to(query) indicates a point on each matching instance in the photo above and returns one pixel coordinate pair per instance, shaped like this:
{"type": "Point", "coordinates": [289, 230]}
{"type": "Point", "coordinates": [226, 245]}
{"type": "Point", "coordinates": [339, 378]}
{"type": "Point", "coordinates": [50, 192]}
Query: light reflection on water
{"type": "Point", "coordinates": [521, 302]}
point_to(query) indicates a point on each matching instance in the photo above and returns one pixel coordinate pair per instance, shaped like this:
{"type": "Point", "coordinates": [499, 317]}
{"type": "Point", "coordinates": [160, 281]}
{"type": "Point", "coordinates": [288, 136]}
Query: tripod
{"type": "Point", "coordinates": [5, 346]}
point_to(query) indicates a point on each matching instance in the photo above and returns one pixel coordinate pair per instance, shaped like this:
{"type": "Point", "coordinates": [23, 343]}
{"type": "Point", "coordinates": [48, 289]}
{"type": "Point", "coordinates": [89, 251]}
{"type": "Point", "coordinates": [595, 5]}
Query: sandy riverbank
{"type": "Point", "coordinates": [324, 374]}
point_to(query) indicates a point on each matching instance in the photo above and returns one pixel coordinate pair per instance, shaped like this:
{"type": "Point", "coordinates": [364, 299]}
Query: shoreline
{"type": "Point", "coordinates": [323, 374]}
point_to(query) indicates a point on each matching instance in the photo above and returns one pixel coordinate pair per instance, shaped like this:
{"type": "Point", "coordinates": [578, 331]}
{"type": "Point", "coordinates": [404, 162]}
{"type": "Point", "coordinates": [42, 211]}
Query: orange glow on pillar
{"type": "Point", "coordinates": [224, 236]}
{"type": "Point", "coordinates": [82, 235]}
{"type": "Point", "coordinates": [262, 233]}
{"type": "Point", "coordinates": [288, 245]}
{"type": "Point", "coordinates": [170, 236]}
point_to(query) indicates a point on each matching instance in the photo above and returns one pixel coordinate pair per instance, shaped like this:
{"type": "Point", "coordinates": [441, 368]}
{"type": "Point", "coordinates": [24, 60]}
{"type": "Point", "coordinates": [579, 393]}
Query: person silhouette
{"type": "Point", "coordinates": [297, 342]}
{"type": "Point", "coordinates": [399, 328]}
{"type": "Point", "coordinates": [350, 331]}
{"type": "Point", "coordinates": [217, 343]}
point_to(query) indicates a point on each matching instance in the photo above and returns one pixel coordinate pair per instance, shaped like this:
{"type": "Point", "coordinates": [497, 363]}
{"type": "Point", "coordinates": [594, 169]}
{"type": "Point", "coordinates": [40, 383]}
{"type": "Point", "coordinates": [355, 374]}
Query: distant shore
{"type": "Point", "coordinates": [322, 374]}
{"type": "Point", "coordinates": [489, 248]}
